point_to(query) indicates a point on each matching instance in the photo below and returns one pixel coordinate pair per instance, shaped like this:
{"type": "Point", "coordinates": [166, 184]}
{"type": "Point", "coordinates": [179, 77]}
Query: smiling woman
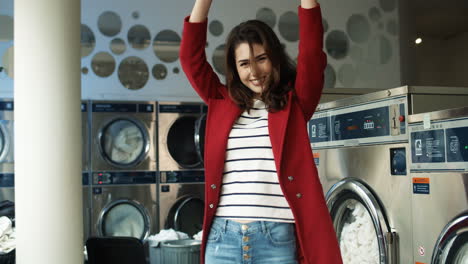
{"type": "Point", "coordinates": [254, 71]}
{"type": "Point", "coordinates": [262, 186]}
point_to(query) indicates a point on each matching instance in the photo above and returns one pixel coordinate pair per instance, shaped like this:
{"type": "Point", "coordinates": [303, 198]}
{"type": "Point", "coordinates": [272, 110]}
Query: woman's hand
{"type": "Point", "coordinates": [200, 10]}
{"type": "Point", "coordinates": [308, 3]}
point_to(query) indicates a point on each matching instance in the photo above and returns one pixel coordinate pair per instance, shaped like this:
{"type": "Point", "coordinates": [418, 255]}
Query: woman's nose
{"type": "Point", "coordinates": [254, 71]}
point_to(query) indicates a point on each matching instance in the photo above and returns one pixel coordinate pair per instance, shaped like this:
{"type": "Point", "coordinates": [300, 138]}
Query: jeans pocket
{"type": "Point", "coordinates": [215, 234]}
{"type": "Point", "coordinates": [282, 233]}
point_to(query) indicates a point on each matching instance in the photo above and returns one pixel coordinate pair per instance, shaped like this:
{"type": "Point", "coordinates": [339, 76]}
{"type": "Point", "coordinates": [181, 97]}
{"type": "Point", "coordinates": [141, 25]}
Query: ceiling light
{"type": "Point", "coordinates": [418, 41]}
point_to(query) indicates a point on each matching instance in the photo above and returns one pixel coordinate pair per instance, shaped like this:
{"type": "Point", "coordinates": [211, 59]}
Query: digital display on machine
{"type": "Point", "coordinates": [361, 124]}
{"type": "Point", "coordinates": [319, 130]}
{"type": "Point", "coordinates": [457, 144]}
{"type": "Point", "coordinates": [428, 146]}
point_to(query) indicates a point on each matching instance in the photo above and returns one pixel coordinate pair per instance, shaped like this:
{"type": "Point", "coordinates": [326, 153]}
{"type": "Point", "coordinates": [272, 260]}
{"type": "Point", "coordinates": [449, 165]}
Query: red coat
{"type": "Point", "coordinates": [316, 237]}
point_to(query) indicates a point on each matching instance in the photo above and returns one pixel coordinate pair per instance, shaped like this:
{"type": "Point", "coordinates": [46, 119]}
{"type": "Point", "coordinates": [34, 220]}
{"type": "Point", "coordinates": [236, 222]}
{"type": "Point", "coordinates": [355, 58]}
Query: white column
{"type": "Point", "coordinates": [48, 191]}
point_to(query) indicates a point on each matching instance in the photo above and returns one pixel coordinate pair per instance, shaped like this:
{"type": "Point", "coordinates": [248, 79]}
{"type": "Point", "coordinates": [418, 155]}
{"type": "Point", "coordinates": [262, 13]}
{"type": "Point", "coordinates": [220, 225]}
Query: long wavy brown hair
{"type": "Point", "coordinates": [283, 74]}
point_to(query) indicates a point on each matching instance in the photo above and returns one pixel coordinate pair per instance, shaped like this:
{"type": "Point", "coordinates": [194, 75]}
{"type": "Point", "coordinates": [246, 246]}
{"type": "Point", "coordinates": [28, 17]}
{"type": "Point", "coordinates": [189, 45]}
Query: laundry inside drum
{"type": "Point", "coordinates": [123, 142]}
{"type": "Point", "coordinates": [358, 238]}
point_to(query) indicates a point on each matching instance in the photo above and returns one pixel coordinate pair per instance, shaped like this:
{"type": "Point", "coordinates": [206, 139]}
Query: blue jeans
{"type": "Point", "coordinates": [260, 242]}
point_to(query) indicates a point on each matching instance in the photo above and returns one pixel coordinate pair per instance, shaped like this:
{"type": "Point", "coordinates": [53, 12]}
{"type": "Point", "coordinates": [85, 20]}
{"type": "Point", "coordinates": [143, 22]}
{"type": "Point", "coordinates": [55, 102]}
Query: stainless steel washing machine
{"type": "Point", "coordinates": [439, 172]}
{"type": "Point", "coordinates": [123, 169]}
{"type": "Point", "coordinates": [360, 147]}
{"type": "Point", "coordinates": [86, 148]}
{"type": "Point", "coordinates": [181, 176]}
{"type": "Point", "coordinates": [6, 150]}
{"type": "Point", "coordinates": [123, 136]}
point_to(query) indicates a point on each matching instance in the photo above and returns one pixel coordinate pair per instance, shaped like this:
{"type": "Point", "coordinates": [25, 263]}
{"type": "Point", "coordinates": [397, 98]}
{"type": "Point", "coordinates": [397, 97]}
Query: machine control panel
{"type": "Point", "coordinates": [7, 180]}
{"type": "Point", "coordinates": [181, 176]}
{"type": "Point", "coordinates": [123, 108]}
{"type": "Point", "coordinates": [133, 177]}
{"type": "Point", "coordinates": [6, 106]}
{"type": "Point", "coordinates": [180, 108]}
{"type": "Point", "coordinates": [439, 146]}
{"type": "Point", "coordinates": [377, 122]}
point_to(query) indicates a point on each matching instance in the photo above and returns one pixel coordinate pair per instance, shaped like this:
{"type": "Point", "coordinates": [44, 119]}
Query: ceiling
{"type": "Point", "coordinates": [442, 19]}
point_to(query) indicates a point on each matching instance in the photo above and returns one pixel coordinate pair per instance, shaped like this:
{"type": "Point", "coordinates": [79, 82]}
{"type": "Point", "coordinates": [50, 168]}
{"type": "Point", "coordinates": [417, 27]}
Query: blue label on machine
{"type": "Point", "coordinates": [421, 188]}
{"type": "Point", "coordinates": [428, 146]}
{"type": "Point", "coordinates": [457, 144]}
{"type": "Point", "coordinates": [362, 124]}
{"type": "Point", "coordinates": [319, 130]}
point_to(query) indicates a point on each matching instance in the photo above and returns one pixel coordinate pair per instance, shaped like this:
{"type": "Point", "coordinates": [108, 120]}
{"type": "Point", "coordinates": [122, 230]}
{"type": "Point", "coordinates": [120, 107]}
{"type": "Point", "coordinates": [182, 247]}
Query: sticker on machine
{"type": "Point", "coordinates": [421, 186]}
{"type": "Point", "coordinates": [317, 158]}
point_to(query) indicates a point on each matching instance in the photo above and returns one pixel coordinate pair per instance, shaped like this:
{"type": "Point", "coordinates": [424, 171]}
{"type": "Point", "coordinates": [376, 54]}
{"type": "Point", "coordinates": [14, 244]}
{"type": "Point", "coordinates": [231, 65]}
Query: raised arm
{"type": "Point", "coordinates": [308, 4]}
{"type": "Point", "coordinates": [200, 11]}
{"type": "Point", "coordinates": [192, 53]}
{"type": "Point", "coordinates": [311, 61]}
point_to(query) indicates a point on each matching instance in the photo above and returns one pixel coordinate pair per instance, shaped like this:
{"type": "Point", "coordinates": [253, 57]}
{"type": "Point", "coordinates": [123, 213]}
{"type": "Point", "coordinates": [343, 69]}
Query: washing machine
{"type": "Point", "coordinates": [6, 150]}
{"type": "Point", "coordinates": [123, 169]}
{"type": "Point", "coordinates": [86, 186]}
{"type": "Point", "coordinates": [360, 148]}
{"type": "Point", "coordinates": [439, 172]}
{"type": "Point", "coordinates": [181, 134]}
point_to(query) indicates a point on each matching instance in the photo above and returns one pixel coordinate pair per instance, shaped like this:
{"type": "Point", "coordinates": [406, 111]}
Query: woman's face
{"type": "Point", "coordinates": [253, 73]}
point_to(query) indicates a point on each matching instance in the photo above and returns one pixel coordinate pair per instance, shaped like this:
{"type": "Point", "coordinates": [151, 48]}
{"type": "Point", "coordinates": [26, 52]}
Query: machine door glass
{"type": "Point", "coordinates": [200, 126]}
{"type": "Point", "coordinates": [181, 142]}
{"type": "Point", "coordinates": [2, 144]}
{"type": "Point", "coordinates": [452, 245]}
{"type": "Point", "coordinates": [124, 218]}
{"type": "Point", "coordinates": [186, 216]}
{"type": "Point", "coordinates": [6, 142]}
{"type": "Point", "coordinates": [124, 142]}
{"type": "Point", "coordinates": [356, 233]}
{"type": "Point", "coordinates": [360, 225]}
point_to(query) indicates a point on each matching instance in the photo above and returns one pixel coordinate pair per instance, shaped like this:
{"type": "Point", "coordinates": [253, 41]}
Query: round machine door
{"type": "Point", "coordinates": [124, 217]}
{"type": "Point", "coordinates": [360, 223]}
{"type": "Point", "coordinates": [186, 215]}
{"type": "Point", "coordinates": [200, 126]}
{"type": "Point", "coordinates": [181, 142]}
{"type": "Point", "coordinates": [452, 244]}
{"type": "Point", "coordinates": [123, 142]}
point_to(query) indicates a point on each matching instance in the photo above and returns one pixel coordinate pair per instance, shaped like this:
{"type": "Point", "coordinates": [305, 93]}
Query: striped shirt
{"type": "Point", "coordinates": [250, 189]}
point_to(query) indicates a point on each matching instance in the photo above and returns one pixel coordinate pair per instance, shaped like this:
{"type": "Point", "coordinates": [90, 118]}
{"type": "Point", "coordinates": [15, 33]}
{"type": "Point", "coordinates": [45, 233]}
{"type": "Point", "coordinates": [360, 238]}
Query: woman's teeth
{"type": "Point", "coordinates": [257, 82]}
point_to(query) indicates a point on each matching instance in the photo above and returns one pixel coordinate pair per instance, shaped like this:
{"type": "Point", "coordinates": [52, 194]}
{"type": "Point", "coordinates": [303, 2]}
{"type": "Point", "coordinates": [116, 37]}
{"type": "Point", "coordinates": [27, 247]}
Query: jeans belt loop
{"type": "Point", "coordinates": [264, 227]}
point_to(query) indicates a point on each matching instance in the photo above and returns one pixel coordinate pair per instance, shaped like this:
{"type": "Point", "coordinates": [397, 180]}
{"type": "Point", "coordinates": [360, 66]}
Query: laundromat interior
{"type": "Point", "coordinates": [102, 136]}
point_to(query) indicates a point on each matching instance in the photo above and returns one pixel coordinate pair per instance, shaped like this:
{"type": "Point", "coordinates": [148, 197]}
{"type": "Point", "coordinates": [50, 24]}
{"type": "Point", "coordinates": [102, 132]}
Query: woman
{"type": "Point", "coordinates": [264, 201]}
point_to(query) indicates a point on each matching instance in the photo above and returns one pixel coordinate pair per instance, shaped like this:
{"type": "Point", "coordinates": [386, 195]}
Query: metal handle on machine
{"type": "Point", "coordinates": [392, 247]}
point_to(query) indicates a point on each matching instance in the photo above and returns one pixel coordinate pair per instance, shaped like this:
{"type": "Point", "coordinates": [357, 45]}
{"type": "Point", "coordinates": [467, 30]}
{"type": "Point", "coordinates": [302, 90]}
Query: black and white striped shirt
{"type": "Point", "coordinates": [250, 189]}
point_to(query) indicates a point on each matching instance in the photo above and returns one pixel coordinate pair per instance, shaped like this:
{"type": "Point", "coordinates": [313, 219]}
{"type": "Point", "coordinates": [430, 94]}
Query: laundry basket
{"type": "Point", "coordinates": [8, 258]}
{"type": "Point", "coordinates": [184, 251]}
